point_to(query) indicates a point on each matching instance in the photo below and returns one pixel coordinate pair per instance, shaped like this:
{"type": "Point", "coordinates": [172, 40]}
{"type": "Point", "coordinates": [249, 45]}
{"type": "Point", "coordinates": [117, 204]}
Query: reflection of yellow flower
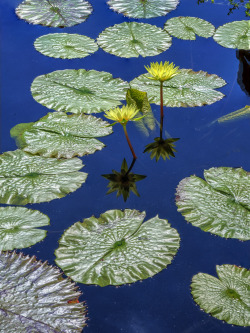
{"type": "Point", "coordinates": [162, 72]}
{"type": "Point", "coordinates": [122, 115]}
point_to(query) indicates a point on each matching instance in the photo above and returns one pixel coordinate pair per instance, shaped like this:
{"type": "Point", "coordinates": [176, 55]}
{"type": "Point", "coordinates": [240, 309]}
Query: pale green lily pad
{"type": "Point", "coordinates": [79, 91]}
{"type": "Point", "coordinates": [65, 46]}
{"type": "Point", "coordinates": [61, 135]}
{"type": "Point", "coordinates": [143, 8]}
{"type": "Point", "coordinates": [133, 39]}
{"type": "Point", "coordinates": [185, 27]}
{"type": "Point", "coordinates": [36, 298]}
{"type": "Point", "coordinates": [54, 13]}
{"type": "Point", "coordinates": [32, 179]}
{"type": "Point", "coordinates": [226, 298]}
{"type": "Point", "coordinates": [188, 88]}
{"type": "Point", "coordinates": [234, 35]}
{"type": "Point", "coordinates": [239, 114]}
{"type": "Point", "coordinates": [19, 227]}
{"type": "Point", "coordinates": [116, 248]}
{"type": "Point", "coordinates": [220, 205]}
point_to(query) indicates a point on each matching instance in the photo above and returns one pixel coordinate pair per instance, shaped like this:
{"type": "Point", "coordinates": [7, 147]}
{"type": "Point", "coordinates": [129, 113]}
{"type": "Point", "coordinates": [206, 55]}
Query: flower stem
{"type": "Point", "coordinates": [129, 143]}
{"type": "Point", "coordinates": [162, 114]}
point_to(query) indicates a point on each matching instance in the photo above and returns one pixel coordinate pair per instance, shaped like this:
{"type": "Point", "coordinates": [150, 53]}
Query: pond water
{"type": "Point", "coordinates": [162, 304]}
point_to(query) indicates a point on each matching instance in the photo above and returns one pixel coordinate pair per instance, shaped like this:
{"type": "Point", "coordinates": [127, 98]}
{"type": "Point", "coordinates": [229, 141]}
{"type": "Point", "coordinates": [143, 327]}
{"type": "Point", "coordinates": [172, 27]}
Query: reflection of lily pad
{"type": "Point", "coordinates": [133, 39]}
{"type": "Point", "coordinates": [188, 27]}
{"type": "Point", "coordinates": [79, 91]}
{"type": "Point", "coordinates": [220, 205]}
{"type": "Point", "coordinates": [54, 13]}
{"type": "Point", "coordinates": [61, 135]}
{"type": "Point", "coordinates": [32, 179]}
{"type": "Point", "coordinates": [234, 35]}
{"type": "Point", "coordinates": [226, 298]}
{"type": "Point", "coordinates": [188, 88]}
{"type": "Point", "coordinates": [143, 9]}
{"type": "Point", "coordinates": [35, 297]}
{"type": "Point", "coordinates": [116, 248]}
{"type": "Point", "coordinates": [65, 46]}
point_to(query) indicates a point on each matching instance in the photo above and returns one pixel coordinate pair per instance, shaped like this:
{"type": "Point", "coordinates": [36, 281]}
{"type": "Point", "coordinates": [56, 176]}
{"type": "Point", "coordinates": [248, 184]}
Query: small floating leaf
{"type": "Point", "coordinates": [234, 35]}
{"type": "Point", "coordinates": [241, 113]}
{"type": "Point", "coordinates": [132, 39]}
{"type": "Point", "coordinates": [65, 46]}
{"type": "Point", "coordinates": [116, 248]}
{"type": "Point", "coordinates": [143, 8]}
{"type": "Point", "coordinates": [61, 135]}
{"type": "Point", "coordinates": [35, 297]}
{"type": "Point", "coordinates": [54, 13]}
{"type": "Point", "coordinates": [79, 91]}
{"type": "Point", "coordinates": [188, 27]}
{"type": "Point", "coordinates": [32, 179]}
{"type": "Point", "coordinates": [220, 205]}
{"type": "Point", "coordinates": [226, 298]}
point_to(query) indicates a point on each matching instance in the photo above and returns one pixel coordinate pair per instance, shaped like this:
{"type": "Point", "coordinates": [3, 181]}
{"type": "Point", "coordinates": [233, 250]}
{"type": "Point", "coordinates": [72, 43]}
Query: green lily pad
{"type": "Point", "coordinates": [54, 13]}
{"type": "Point", "coordinates": [79, 91]}
{"type": "Point", "coordinates": [143, 8]}
{"type": "Point", "coordinates": [61, 135]}
{"type": "Point", "coordinates": [18, 227]}
{"type": "Point", "coordinates": [116, 248]}
{"type": "Point", "coordinates": [234, 35]}
{"type": "Point", "coordinates": [226, 298]}
{"type": "Point", "coordinates": [185, 27]}
{"type": "Point", "coordinates": [32, 179]}
{"type": "Point", "coordinates": [65, 46]}
{"type": "Point", "coordinates": [188, 88]}
{"type": "Point", "coordinates": [133, 39]}
{"type": "Point", "coordinates": [220, 205]}
{"type": "Point", "coordinates": [239, 114]}
{"type": "Point", "coordinates": [35, 297]}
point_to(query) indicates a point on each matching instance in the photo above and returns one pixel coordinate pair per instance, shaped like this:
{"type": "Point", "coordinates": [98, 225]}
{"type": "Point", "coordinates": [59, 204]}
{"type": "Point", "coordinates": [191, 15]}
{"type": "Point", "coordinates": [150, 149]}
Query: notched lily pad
{"type": "Point", "coordinates": [54, 13]}
{"type": "Point", "coordinates": [133, 39]}
{"type": "Point", "coordinates": [226, 298]}
{"type": "Point", "coordinates": [185, 27]}
{"type": "Point", "coordinates": [61, 135]}
{"type": "Point", "coordinates": [220, 205]}
{"type": "Point", "coordinates": [116, 248]}
{"type": "Point", "coordinates": [143, 8]}
{"type": "Point", "coordinates": [234, 35]}
{"type": "Point", "coordinates": [35, 297]}
{"type": "Point", "coordinates": [65, 46]}
{"type": "Point", "coordinates": [32, 179]}
{"type": "Point", "coordinates": [79, 91]}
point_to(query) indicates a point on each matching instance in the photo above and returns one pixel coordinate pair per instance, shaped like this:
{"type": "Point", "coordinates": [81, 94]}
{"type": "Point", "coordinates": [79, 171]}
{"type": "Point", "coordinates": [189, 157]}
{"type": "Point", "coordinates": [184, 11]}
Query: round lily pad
{"type": "Point", "coordinates": [226, 298]}
{"type": "Point", "coordinates": [65, 46]}
{"type": "Point", "coordinates": [220, 205]}
{"type": "Point", "coordinates": [185, 27]}
{"type": "Point", "coordinates": [143, 8]}
{"type": "Point", "coordinates": [32, 179]}
{"type": "Point", "coordinates": [79, 91]}
{"type": "Point", "coordinates": [116, 248]}
{"type": "Point", "coordinates": [54, 13]}
{"type": "Point", "coordinates": [133, 39]}
{"type": "Point", "coordinates": [234, 35]}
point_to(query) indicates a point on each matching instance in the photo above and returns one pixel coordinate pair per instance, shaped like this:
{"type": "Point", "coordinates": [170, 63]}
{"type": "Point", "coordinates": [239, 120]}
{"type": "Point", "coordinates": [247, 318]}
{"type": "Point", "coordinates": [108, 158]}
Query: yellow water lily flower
{"type": "Point", "coordinates": [162, 72]}
{"type": "Point", "coordinates": [122, 115]}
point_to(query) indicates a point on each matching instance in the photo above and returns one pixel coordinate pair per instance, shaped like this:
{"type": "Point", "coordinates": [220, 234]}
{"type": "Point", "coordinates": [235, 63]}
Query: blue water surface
{"type": "Point", "coordinates": [162, 304]}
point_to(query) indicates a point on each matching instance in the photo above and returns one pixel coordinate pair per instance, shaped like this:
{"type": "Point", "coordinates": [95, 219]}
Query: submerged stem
{"type": "Point", "coordinates": [129, 143]}
{"type": "Point", "coordinates": [162, 114]}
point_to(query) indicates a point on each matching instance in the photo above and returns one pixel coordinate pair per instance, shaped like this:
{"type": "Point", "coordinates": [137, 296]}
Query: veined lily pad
{"type": "Point", "coordinates": [54, 13]}
{"type": "Point", "coordinates": [35, 297]}
{"type": "Point", "coordinates": [188, 88]}
{"type": "Point", "coordinates": [65, 46]}
{"type": "Point", "coordinates": [61, 135]}
{"type": "Point", "coordinates": [116, 248]}
{"type": "Point", "coordinates": [79, 91]}
{"type": "Point", "coordinates": [143, 8]}
{"type": "Point", "coordinates": [226, 298]}
{"type": "Point", "coordinates": [133, 39]}
{"type": "Point", "coordinates": [234, 35]}
{"type": "Point", "coordinates": [18, 227]}
{"type": "Point", "coordinates": [32, 179]}
{"type": "Point", "coordinates": [188, 27]}
{"type": "Point", "coordinates": [220, 205]}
